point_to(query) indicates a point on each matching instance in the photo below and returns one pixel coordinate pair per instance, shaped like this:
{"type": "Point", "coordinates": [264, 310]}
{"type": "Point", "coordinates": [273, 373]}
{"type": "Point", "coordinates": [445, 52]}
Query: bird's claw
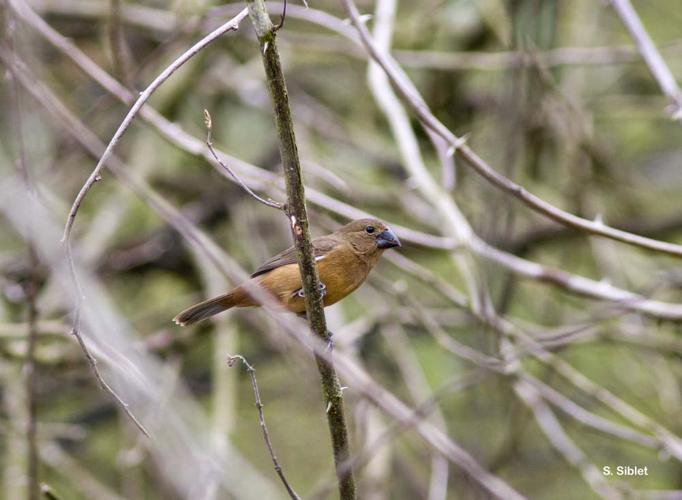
{"type": "Point", "coordinates": [322, 287]}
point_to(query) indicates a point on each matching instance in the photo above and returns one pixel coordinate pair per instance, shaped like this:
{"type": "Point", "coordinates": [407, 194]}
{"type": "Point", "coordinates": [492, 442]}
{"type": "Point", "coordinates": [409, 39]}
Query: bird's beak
{"type": "Point", "coordinates": [387, 239]}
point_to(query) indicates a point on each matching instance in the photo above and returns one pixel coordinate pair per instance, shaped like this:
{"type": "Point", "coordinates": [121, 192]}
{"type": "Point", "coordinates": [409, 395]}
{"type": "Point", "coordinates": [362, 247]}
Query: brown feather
{"type": "Point", "coordinates": [198, 312]}
{"type": "Point", "coordinates": [321, 246]}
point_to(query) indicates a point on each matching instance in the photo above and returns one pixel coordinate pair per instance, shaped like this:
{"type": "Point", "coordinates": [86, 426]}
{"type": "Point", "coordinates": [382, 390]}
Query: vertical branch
{"type": "Point", "coordinates": [296, 211]}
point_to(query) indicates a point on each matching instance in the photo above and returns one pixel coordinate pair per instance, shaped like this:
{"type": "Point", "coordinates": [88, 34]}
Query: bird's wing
{"type": "Point", "coordinates": [321, 246]}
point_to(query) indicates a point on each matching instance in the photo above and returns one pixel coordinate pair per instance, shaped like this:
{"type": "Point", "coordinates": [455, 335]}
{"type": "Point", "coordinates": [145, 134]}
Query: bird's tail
{"type": "Point", "coordinates": [211, 307]}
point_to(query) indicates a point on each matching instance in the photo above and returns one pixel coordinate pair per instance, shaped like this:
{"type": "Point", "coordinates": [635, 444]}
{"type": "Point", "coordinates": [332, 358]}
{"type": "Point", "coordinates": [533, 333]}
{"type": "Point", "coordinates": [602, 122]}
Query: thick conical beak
{"type": "Point", "coordinates": [387, 239]}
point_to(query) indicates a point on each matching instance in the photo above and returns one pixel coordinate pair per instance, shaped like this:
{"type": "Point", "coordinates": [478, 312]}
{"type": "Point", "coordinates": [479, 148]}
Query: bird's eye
{"type": "Point", "coordinates": [369, 229]}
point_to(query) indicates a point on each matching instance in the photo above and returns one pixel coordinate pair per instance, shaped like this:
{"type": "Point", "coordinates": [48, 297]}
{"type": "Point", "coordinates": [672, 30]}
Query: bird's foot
{"type": "Point", "coordinates": [330, 341]}
{"type": "Point", "coordinates": [322, 287]}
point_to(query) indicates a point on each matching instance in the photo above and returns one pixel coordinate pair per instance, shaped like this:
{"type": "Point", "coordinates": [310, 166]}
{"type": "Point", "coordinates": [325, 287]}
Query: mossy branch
{"type": "Point", "coordinates": [296, 211]}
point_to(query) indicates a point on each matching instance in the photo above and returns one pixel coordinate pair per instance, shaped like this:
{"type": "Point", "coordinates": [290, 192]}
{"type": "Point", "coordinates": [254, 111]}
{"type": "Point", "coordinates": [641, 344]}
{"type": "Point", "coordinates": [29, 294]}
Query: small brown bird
{"type": "Point", "coordinates": [344, 259]}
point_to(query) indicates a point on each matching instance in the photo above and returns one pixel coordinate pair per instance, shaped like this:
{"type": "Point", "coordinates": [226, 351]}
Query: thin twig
{"type": "Point", "coordinates": [280, 25]}
{"type": "Point", "coordinates": [209, 142]}
{"type": "Point", "coordinates": [95, 176]}
{"type": "Point", "coordinates": [231, 25]}
{"type": "Point", "coordinates": [231, 360]}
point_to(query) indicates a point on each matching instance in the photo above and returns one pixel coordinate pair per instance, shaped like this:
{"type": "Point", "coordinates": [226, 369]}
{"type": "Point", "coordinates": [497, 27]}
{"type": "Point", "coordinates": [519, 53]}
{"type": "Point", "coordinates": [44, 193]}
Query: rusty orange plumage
{"type": "Point", "coordinates": [344, 259]}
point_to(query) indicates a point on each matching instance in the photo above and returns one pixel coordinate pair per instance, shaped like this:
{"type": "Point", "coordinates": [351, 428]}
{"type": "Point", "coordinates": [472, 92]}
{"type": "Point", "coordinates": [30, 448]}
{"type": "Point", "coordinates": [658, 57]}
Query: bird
{"type": "Point", "coordinates": [344, 259]}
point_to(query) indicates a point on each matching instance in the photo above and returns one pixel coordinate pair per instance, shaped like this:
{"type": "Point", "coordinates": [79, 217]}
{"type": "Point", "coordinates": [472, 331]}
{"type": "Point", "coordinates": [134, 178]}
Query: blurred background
{"type": "Point", "coordinates": [552, 94]}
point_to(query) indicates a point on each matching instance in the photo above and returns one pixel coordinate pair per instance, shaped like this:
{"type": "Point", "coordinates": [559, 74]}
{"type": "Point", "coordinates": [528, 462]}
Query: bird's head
{"type": "Point", "coordinates": [369, 235]}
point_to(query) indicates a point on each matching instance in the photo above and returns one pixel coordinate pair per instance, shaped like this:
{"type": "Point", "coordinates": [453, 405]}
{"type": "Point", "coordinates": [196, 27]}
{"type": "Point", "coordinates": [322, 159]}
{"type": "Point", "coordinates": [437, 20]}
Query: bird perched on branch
{"type": "Point", "coordinates": [344, 259]}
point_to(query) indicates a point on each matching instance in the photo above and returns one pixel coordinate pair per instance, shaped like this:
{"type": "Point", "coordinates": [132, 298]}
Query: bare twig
{"type": "Point", "coordinates": [257, 176]}
{"type": "Point", "coordinates": [96, 175]}
{"type": "Point", "coordinates": [652, 57]}
{"type": "Point", "coordinates": [208, 122]}
{"type": "Point", "coordinates": [231, 360]}
{"type": "Point", "coordinates": [196, 147]}
{"type": "Point", "coordinates": [280, 24]}
{"type": "Point", "coordinates": [231, 25]}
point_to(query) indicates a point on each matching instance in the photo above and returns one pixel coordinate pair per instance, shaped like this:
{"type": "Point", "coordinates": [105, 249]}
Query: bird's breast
{"type": "Point", "coordinates": [342, 272]}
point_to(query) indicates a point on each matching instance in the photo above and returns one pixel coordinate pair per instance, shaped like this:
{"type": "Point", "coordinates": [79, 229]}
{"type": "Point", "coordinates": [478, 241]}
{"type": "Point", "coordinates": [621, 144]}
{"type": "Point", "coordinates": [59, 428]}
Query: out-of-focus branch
{"type": "Point", "coordinates": [560, 441]}
{"type": "Point", "coordinates": [31, 281]}
{"type": "Point", "coordinates": [500, 61]}
{"type": "Point", "coordinates": [120, 51]}
{"type": "Point", "coordinates": [419, 413]}
{"type": "Point", "coordinates": [66, 466]}
{"type": "Point", "coordinates": [256, 177]}
{"type": "Point", "coordinates": [455, 224]}
{"type": "Point", "coordinates": [422, 111]}
{"type": "Point", "coordinates": [296, 211]}
{"type": "Point", "coordinates": [583, 416]}
{"type": "Point", "coordinates": [163, 21]}
{"type": "Point", "coordinates": [209, 143]}
{"type": "Point", "coordinates": [665, 438]}
{"type": "Point", "coordinates": [652, 57]}
{"type": "Point", "coordinates": [415, 379]}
